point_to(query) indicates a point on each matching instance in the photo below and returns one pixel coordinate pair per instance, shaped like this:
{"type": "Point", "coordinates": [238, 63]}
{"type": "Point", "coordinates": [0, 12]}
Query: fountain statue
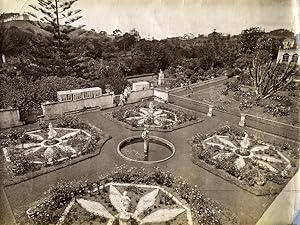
{"type": "Point", "coordinates": [51, 133]}
{"type": "Point", "coordinates": [145, 136]}
{"type": "Point", "coordinates": [124, 217]}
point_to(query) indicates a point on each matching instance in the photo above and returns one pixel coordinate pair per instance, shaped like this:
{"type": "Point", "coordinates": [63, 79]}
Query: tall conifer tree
{"type": "Point", "coordinates": [53, 55]}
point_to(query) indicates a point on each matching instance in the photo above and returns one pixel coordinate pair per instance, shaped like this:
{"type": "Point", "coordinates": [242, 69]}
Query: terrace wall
{"type": "Point", "coordinates": [161, 94]}
{"type": "Point", "coordinates": [199, 86]}
{"type": "Point", "coordinates": [136, 96]}
{"type": "Point", "coordinates": [268, 128]}
{"type": "Point", "coordinates": [189, 103]}
{"type": "Point", "coordinates": [10, 118]}
{"type": "Point", "coordinates": [273, 127]}
{"type": "Point", "coordinates": [55, 109]}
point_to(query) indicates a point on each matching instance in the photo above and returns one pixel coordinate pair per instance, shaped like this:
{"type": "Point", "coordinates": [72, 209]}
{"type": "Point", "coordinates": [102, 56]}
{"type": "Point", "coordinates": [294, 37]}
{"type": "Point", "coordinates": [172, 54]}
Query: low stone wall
{"type": "Point", "coordinates": [136, 96]}
{"type": "Point", "coordinates": [273, 127]}
{"type": "Point", "coordinates": [161, 94]}
{"type": "Point", "coordinates": [10, 118]}
{"type": "Point", "coordinates": [198, 86]}
{"type": "Point", "coordinates": [189, 103]}
{"type": "Point", "coordinates": [55, 109]}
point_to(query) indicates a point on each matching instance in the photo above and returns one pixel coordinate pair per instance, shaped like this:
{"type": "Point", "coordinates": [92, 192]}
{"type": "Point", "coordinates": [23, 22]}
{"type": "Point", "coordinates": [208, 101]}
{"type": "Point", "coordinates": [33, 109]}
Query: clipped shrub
{"type": "Point", "coordinates": [72, 121]}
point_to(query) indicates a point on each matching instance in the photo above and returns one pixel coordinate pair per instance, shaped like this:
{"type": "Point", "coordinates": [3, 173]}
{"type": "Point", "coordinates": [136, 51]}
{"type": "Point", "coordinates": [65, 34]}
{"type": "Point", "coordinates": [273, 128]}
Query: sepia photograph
{"type": "Point", "coordinates": [149, 112]}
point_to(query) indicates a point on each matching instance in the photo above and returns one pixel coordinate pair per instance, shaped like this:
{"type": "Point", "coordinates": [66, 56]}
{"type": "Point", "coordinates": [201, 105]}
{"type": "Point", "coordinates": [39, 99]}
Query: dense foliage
{"type": "Point", "coordinates": [51, 49]}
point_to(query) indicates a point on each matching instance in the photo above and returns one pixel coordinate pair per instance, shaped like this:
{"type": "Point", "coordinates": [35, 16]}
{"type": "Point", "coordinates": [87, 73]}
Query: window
{"type": "Point", "coordinates": [285, 57]}
{"type": "Point", "coordinates": [77, 96]}
{"type": "Point", "coordinates": [295, 58]}
{"type": "Point", "coordinates": [88, 94]}
{"type": "Point", "coordinates": [69, 97]}
{"type": "Point", "coordinates": [66, 97]}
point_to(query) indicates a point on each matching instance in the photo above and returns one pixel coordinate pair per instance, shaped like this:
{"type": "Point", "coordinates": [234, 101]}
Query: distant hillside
{"type": "Point", "coordinates": [30, 26]}
{"type": "Point", "coordinates": [26, 26]}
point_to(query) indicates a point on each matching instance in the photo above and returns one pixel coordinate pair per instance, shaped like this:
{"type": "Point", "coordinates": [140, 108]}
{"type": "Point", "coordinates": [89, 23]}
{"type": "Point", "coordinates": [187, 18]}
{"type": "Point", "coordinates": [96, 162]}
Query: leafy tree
{"type": "Point", "coordinates": [249, 39]}
{"type": "Point", "coordinates": [113, 75]}
{"type": "Point", "coordinates": [283, 33]}
{"type": "Point", "coordinates": [127, 41]}
{"type": "Point", "coordinates": [269, 43]}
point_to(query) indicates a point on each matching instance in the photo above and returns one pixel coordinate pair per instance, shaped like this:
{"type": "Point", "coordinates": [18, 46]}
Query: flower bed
{"type": "Point", "coordinates": [153, 197]}
{"type": "Point", "coordinates": [160, 117]}
{"type": "Point", "coordinates": [261, 168]}
{"type": "Point", "coordinates": [33, 151]}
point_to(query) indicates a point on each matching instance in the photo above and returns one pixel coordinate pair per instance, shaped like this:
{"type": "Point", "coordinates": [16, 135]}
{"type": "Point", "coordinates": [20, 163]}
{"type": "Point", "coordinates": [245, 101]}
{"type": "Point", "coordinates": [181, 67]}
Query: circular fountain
{"type": "Point", "coordinates": [146, 149]}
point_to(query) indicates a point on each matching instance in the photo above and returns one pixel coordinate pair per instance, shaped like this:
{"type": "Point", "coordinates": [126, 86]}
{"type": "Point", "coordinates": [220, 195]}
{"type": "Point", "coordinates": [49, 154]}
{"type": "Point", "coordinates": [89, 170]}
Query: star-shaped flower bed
{"type": "Point", "coordinates": [157, 116]}
{"type": "Point", "coordinates": [261, 168]}
{"type": "Point", "coordinates": [154, 118]}
{"type": "Point", "coordinates": [38, 149]}
{"type": "Point", "coordinates": [127, 195]}
{"type": "Point", "coordinates": [148, 204]}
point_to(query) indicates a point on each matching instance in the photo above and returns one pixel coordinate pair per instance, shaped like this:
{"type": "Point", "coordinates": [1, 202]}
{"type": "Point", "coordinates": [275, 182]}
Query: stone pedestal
{"type": "Point", "coordinates": [146, 149]}
{"type": "Point", "coordinates": [124, 218]}
{"type": "Point", "coordinates": [210, 111]}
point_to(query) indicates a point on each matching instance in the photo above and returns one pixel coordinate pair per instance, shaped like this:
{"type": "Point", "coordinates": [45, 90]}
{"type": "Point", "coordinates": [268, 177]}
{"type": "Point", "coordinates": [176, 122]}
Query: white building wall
{"type": "Point", "coordinates": [290, 53]}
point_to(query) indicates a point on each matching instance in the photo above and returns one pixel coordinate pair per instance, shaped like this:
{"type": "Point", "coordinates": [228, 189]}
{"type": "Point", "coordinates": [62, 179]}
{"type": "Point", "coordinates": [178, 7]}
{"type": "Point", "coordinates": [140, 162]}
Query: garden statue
{"type": "Point", "coordinates": [245, 143]}
{"type": "Point", "coordinates": [151, 108]}
{"type": "Point", "coordinates": [126, 93]}
{"type": "Point", "coordinates": [145, 136]}
{"type": "Point", "coordinates": [122, 100]}
{"type": "Point", "coordinates": [124, 216]}
{"type": "Point", "coordinates": [161, 77]}
{"type": "Point", "coordinates": [51, 133]}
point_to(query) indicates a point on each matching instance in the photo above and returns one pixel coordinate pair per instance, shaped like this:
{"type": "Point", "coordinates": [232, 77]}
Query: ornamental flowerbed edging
{"type": "Point", "coordinates": [258, 167]}
{"type": "Point", "coordinates": [30, 154]}
{"type": "Point", "coordinates": [150, 196]}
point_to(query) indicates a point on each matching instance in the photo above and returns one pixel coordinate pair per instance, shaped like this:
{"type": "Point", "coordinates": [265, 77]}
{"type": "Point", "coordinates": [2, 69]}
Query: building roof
{"type": "Point", "coordinates": [141, 82]}
{"type": "Point", "coordinates": [78, 90]}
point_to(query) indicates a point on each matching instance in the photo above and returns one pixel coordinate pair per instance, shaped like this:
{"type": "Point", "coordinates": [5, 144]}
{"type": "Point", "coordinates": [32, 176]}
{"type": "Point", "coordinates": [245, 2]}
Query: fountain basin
{"type": "Point", "coordinates": [160, 149]}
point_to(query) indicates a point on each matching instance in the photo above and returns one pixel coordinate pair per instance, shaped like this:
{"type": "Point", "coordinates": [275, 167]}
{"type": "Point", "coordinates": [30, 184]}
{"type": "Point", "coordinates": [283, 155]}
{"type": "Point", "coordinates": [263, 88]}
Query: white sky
{"type": "Point", "coordinates": [167, 18]}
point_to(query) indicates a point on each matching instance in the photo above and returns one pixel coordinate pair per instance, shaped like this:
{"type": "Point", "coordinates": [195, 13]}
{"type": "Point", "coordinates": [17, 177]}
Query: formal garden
{"type": "Point", "coordinates": [127, 195]}
{"type": "Point", "coordinates": [237, 95]}
{"type": "Point", "coordinates": [259, 167]}
{"type": "Point", "coordinates": [28, 153]}
{"type": "Point", "coordinates": [231, 175]}
{"type": "Point", "coordinates": [154, 115]}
